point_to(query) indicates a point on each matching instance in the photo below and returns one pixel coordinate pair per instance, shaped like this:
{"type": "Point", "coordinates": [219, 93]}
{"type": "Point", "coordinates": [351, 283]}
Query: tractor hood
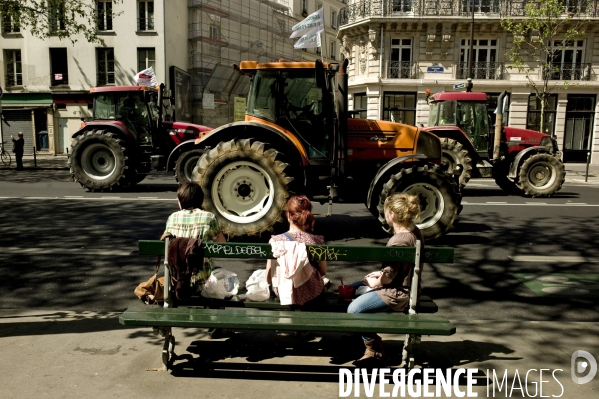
{"type": "Point", "coordinates": [183, 131]}
{"type": "Point", "coordinates": [525, 137]}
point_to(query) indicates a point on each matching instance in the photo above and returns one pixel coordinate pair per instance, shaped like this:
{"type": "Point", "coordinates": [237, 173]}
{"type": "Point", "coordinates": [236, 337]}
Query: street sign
{"type": "Point", "coordinates": [458, 86]}
{"type": "Point", "coordinates": [435, 68]}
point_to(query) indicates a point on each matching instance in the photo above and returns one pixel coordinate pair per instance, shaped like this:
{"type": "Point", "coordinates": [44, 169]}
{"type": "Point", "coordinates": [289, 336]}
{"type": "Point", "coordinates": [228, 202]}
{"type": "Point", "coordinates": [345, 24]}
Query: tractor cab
{"type": "Point", "coordinates": [134, 107]}
{"type": "Point", "coordinates": [468, 114]}
{"type": "Point", "coordinates": [292, 97]}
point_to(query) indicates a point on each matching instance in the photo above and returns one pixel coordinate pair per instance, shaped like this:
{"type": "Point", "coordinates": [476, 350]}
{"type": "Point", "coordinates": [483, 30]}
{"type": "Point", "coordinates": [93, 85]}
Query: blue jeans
{"type": "Point", "coordinates": [369, 302]}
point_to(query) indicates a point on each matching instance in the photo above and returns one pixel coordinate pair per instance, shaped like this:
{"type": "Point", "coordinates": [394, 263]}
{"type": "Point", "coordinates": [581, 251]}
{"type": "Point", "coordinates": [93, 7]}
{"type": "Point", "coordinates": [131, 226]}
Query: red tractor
{"type": "Point", "coordinates": [130, 135]}
{"type": "Point", "coordinates": [520, 160]}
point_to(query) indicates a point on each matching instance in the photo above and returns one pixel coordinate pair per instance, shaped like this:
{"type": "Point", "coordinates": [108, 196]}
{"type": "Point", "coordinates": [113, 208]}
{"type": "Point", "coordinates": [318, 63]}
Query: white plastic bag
{"type": "Point", "coordinates": [147, 77]}
{"type": "Point", "coordinates": [257, 287]}
{"type": "Point", "coordinates": [222, 283]}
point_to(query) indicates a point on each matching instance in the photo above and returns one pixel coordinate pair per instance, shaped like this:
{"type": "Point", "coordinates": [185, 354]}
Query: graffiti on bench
{"type": "Point", "coordinates": [228, 250]}
{"type": "Point", "coordinates": [322, 253]}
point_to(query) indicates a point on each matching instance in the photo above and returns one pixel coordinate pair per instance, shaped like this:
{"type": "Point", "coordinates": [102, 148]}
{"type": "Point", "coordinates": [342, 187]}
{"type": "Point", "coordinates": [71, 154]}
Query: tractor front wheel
{"type": "Point", "coordinates": [186, 164]}
{"type": "Point", "coordinates": [541, 175]}
{"type": "Point", "coordinates": [245, 186]}
{"type": "Point", "coordinates": [98, 160]}
{"type": "Point", "coordinates": [440, 199]}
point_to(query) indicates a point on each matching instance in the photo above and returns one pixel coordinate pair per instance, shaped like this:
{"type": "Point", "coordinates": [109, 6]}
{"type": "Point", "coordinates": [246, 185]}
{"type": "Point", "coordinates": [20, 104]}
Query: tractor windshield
{"type": "Point", "coordinates": [291, 99]}
{"type": "Point", "coordinates": [443, 114]}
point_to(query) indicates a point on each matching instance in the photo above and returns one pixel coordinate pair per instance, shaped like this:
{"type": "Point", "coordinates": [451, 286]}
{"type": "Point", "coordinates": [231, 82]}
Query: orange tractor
{"type": "Point", "coordinates": [297, 137]}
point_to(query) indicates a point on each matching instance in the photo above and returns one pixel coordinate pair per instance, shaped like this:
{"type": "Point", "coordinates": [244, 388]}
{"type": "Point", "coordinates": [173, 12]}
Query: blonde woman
{"type": "Point", "coordinates": [391, 285]}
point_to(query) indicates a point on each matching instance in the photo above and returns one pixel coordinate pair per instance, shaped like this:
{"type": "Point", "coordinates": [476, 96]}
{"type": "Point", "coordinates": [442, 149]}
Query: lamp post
{"type": "Point", "coordinates": [470, 55]}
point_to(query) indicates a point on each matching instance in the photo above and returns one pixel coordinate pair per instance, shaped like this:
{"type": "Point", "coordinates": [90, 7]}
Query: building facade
{"type": "Point", "coordinates": [397, 49]}
{"type": "Point", "coordinates": [191, 45]}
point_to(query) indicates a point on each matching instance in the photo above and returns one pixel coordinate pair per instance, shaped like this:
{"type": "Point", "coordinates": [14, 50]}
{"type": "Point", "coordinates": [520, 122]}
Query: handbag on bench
{"type": "Point", "coordinates": [151, 292]}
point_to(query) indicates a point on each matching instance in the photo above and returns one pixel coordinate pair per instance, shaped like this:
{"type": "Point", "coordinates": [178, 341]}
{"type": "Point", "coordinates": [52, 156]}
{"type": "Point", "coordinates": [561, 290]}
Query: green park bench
{"type": "Point", "coordinates": [271, 315]}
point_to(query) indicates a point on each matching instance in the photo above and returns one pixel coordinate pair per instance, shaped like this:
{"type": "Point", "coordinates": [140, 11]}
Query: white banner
{"type": "Point", "coordinates": [308, 41]}
{"type": "Point", "coordinates": [314, 23]}
{"type": "Point", "coordinates": [146, 78]}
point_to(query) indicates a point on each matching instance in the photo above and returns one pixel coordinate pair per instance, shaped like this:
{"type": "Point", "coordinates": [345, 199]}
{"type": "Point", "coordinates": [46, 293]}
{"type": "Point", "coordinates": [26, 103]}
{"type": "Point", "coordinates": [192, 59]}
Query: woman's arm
{"type": "Point", "coordinates": [268, 268]}
{"type": "Point", "coordinates": [322, 267]}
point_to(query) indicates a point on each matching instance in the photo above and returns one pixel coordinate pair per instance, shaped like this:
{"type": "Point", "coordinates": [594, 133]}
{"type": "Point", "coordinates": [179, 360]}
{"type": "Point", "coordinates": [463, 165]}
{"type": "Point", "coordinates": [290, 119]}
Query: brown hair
{"type": "Point", "coordinates": [190, 196]}
{"type": "Point", "coordinates": [402, 208]}
{"type": "Point", "coordinates": [299, 211]}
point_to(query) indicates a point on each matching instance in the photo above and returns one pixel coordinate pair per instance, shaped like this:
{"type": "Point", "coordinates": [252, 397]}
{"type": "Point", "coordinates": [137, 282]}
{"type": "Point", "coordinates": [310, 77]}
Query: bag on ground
{"type": "Point", "coordinates": [221, 284]}
{"type": "Point", "coordinates": [257, 287]}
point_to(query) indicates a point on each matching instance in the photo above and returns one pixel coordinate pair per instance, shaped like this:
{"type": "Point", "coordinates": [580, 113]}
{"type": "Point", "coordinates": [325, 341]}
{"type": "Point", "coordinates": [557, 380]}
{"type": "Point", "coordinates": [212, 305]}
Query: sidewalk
{"type": "Point", "coordinates": [575, 173]}
{"type": "Point", "coordinates": [65, 354]}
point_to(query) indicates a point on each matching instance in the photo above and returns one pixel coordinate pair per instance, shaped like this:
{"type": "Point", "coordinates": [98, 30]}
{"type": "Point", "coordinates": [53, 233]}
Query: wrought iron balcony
{"type": "Point", "coordinates": [365, 9]}
{"type": "Point", "coordinates": [481, 70]}
{"type": "Point", "coordinates": [403, 70]}
{"type": "Point", "coordinates": [568, 71]}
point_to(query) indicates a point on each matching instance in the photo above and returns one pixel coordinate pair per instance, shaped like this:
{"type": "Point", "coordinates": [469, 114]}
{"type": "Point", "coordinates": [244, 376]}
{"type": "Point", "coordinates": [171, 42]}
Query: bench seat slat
{"type": "Point", "coordinates": [287, 320]}
{"type": "Point", "coordinates": [318, 252]}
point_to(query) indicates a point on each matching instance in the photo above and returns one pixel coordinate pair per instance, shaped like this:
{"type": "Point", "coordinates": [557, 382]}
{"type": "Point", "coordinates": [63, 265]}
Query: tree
{"type": "Point", "coordinates": [547, 30]}
{"type": "Point", "coordinates": [61, 18]}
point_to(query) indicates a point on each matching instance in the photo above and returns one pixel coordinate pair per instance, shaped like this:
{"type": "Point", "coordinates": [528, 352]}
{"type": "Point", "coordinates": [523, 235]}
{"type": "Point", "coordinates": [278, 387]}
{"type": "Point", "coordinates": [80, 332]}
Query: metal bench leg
{"type": "Point", "coordinates": [407, 355]}
{"type": "Point", "coordinates": [168, 348]}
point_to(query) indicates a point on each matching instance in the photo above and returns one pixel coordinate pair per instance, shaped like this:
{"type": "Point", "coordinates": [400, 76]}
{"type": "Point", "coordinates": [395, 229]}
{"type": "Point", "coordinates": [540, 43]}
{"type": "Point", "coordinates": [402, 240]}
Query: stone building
{"type": "Point", "coordinates": [191, 45]}
{"type": "Point", "coordinates": [400, 48]}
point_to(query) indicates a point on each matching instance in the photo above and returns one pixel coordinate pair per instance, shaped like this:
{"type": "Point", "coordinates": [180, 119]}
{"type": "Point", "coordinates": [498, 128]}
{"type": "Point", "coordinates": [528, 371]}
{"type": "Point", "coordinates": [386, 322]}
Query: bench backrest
{"type": "Point", "coordinates": [317, 252]}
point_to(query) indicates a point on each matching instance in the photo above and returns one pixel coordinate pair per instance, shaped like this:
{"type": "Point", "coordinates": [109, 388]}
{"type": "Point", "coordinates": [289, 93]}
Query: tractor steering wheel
{"type": "Point", "coordinates": [301, 112]}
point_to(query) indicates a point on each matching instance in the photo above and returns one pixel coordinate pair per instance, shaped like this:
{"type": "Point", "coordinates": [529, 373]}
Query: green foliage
{"type": "Point", "coordinates": [65, 19]}
{"type": "Point", "coordinates": [547, 29]}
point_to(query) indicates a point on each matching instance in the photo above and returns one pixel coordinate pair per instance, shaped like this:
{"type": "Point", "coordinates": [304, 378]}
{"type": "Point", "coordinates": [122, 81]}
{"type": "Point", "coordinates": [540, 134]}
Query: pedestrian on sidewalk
{"type": "Point", "coordinates": [18, 148]}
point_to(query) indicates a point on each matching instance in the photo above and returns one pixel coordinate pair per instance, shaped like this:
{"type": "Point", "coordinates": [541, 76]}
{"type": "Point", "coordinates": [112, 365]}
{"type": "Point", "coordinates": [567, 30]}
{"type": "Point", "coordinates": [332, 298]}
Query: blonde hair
{"type": "Point", "coordinates": [402, 209]}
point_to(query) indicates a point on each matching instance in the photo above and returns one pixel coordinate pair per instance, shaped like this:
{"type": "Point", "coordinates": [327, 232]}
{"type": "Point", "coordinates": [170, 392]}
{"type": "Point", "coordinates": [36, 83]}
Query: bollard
{"type": "Point", "coordinates": [34, 158]}
{"type": "Point", "coordinates": [586, 177]}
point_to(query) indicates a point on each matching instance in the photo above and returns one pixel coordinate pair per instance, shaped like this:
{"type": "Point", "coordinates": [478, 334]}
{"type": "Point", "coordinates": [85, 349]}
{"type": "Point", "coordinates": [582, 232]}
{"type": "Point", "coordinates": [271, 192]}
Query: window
{"type": "Point", "coordinates": [484, 65]}
{"type": "Point", "coordinates": [14, 71]}
{"type": "Point", "coordinates": [401, 59]}
{"type": "Point", "coordinates": [402, 5]}
{"type": "Point", "coordinates": [334, 19]}
{"type": "Point", "coordinates": [57, 16]}
{"type": "Point", "coordinates": [59, 71]}
{"type": "Point", "coordinates": [146, 57]}
{"type": "Point", "coordinates": [533, 120]}
{"type": "Point", "coordinates": [10, 24]}
{"type": "Point", "coordinates": [304, 5]}
{"type": "Point", "coordinates": [579, 127]}
{"type": "Point", "coordinates": [105, 66]}
{"type": "Point", "coordinates": [481, 6]}
{"type": "Point", "coordinates": [333, 53]}
{"type": "Point", "coordinates": [567, 64]}
{"type": "Point", "coordinates": [145, 15]}
{"type": "Point", "coordinates": [360, 106]}
{"type": "Point", "coordinates": [104, 8]}
{"type": "Point", "coordinates": [400, 107]}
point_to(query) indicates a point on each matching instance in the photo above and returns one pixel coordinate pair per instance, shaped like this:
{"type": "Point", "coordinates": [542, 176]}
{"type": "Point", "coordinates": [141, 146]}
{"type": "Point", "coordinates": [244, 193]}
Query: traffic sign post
{"type": "Point", "coordinates": [458, 86]}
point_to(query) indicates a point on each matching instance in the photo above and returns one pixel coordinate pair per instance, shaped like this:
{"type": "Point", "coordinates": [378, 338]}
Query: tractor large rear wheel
{"type": "Point", "coordinates": [245, 186]}
{"type": "Point", "coordinates": [541, 175]}
{"type": "Point", "coordinates": [98, 160]}
{"type": "Point", "coordinates": [454, 154]}
{"type": "Point", "coordinates": [440, 199]}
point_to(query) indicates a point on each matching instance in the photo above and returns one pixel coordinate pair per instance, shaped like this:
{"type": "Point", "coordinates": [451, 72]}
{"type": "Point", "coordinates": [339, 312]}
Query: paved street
{"type": "Point", "coordinates": [522, 292]}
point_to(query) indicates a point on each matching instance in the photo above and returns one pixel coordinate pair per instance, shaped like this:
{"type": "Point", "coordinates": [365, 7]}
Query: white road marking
{"type": "Point", "coordinates": [147, 197]}
{"type": "Point", "coordinates": [528, 204]}
{"type": "Point", "coordinates": [553, 259]}
{"type": "Point", "coordinates": [64, 251]}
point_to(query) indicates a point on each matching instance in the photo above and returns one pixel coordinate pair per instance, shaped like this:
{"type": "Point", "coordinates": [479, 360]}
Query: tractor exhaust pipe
{"type": "Point", "coordinates": [498, 126]}
{"type": "Point", "coordinates": [160, 99]}
{"type": "Point", "coordinates": [343, 110]}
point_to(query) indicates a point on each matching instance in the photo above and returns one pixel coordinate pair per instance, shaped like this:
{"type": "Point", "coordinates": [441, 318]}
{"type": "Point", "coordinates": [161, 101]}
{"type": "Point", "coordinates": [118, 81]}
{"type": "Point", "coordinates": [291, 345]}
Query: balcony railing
{"type": "Point", "coordinates": [403, 70]}
{"type": "Point", "coordinates": [365, 9]}
{"type": "Point", "coordinates": [481, 70]}
{"type": "Point", "coordinates": [568, 71]}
